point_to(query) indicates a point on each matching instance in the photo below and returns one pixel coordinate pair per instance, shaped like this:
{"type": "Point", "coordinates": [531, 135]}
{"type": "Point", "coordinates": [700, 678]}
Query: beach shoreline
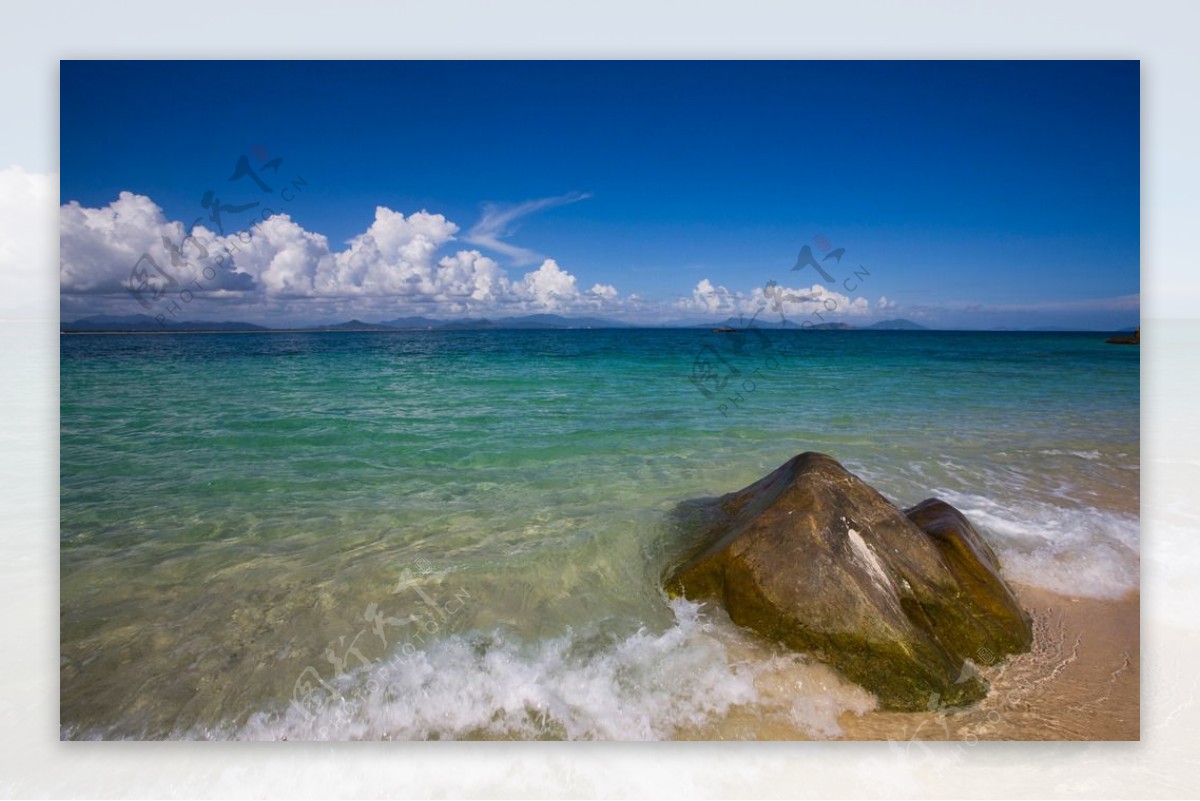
{"type": "Point", "coordinates": [1080, 681]}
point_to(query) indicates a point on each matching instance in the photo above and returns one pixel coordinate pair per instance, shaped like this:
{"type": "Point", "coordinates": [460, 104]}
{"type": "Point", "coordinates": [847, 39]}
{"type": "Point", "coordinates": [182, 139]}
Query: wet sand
{"type": "Point", "coordinates": [1079, 682]}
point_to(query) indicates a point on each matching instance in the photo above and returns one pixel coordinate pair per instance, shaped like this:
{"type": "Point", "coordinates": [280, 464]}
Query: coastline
{"type": "Point", "coordinates": [1081, 681]}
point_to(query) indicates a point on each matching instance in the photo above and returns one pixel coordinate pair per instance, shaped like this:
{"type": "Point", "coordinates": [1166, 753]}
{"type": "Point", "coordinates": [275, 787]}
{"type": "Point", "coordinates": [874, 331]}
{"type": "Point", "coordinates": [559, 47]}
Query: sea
{"type": "Point", "coordinates": [463, 534]}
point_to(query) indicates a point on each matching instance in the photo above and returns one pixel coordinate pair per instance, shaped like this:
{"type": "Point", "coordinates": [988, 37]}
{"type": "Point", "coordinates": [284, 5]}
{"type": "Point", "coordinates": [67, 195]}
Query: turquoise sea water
{"type": "Point", "coordinates": [461, 534]}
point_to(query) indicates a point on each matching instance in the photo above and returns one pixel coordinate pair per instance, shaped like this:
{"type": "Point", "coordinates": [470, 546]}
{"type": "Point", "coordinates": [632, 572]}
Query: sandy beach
{"type": "Point", "coordinates": [1079, 682]}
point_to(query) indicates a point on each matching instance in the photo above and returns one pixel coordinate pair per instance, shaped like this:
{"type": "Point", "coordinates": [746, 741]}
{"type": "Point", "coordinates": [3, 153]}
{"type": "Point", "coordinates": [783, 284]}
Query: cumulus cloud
{"type": "Point", "coordinates": [706, 297]}
{"type": "Point", "coordinates": [793, 304]}
{"type": "Point", "coordinates": [883, 304]}
{"type": "Point", "coordinates": [282, 259]}
{"type": "Point", "coordinates": [500, 220]}
{"type": "Point", "coordinates": [105, 251]}
{"type": "Point", "coordinates": [395, 264]}
{"type": "Point", "coordinates": [99, 247]}
{"type": "Point", "coordinates": [549, 286]}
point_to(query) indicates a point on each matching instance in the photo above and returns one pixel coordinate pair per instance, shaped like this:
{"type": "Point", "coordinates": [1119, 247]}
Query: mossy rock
{"type": "Point", "coordinates": [815, 558]}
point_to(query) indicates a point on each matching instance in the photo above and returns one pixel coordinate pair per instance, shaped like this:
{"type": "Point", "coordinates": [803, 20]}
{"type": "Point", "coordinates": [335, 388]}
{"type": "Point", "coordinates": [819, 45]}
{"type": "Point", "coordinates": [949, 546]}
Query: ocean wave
{"type": "Point", "coordinates": [1072, 551]}
{"type": "Point", "coordinates": [647, 686]}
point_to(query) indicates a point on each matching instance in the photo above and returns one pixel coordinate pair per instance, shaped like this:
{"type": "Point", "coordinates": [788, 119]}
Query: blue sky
{"type": "Point", "coordinates": [976, 194]}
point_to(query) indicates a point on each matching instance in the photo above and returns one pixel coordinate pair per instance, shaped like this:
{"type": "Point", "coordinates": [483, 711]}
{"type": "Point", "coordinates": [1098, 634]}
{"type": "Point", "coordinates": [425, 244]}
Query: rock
{"type": "Point", "coordinates": [815, 558]}
{"type": "Point", "coordinates": [990, 621]}
{"type": "Point", "coordinates": [1134, 339]}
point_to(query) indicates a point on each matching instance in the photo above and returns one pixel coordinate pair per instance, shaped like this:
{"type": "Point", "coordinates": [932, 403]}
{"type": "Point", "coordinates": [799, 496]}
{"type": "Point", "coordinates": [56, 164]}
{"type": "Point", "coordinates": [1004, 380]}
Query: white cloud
{"type": "Point", "coordinates": [103, 251]}
{"type": "Point", "coordinates": [499, 221]}
{"type": "Point", "coordinates": [283, 259]}
{"type": "Point", "coordinates": [393, 266]}
{"type": "Point", "coordinates": [99, 247]}
{"type": "Point", "coordinates": [468, 275]}
{"type": "Point", "coordinates": [549, 287]}
{"type": "Point", "coordinates": [884, 304]}
{"type": "Point", "coordinates": [709, 298]}
{"type": "Point", "coordinates": [795, 304]}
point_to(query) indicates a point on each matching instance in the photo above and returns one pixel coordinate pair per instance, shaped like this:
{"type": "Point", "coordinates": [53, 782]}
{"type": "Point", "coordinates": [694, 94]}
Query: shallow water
{"type": "Point", "coordinates": [462, 534]}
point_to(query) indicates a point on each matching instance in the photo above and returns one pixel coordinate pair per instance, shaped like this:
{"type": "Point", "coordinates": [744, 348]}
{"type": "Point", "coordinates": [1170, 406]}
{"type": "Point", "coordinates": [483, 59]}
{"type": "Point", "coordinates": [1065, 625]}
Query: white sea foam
{"type": "Point", "coordinates": [1091, 456]}
{"type": "Point", "coordinates": [642, 687]}
{"type": "Point", "coordinates": [1071, 550]}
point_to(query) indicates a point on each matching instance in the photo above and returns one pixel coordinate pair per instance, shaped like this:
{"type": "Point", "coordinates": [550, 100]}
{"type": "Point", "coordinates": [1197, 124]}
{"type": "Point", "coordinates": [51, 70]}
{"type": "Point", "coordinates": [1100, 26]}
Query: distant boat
{"type": "Point", "coordinates": [1136, 339]}
{"type": "Point", "coordinates": [724, 330]}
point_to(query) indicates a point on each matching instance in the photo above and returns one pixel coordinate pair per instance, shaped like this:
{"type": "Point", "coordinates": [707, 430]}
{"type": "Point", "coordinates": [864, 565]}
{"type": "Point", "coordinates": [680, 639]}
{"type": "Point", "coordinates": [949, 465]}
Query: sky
{"type": "Point", "coordinates": [999, 194]}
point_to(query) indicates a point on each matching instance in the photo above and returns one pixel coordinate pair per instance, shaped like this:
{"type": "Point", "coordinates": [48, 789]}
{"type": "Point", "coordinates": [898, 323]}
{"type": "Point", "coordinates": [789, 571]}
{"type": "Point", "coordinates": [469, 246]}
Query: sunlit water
{"type": "Point", "coordinates": [463, 534]}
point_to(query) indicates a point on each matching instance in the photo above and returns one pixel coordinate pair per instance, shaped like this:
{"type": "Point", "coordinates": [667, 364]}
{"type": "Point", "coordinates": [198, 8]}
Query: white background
{"type": "Point", "coordinates": [1162, 34]}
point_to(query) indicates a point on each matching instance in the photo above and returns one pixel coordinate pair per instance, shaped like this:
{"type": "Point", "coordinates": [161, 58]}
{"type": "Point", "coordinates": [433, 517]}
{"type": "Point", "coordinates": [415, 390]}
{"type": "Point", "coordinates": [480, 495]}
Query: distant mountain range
{"type": "Point", "coordinates": [144, 323]}
{"type": "Point", "coordinates": [882, 325]}
{"type": "Point", "coordinates": [140, 323]}
{"type": "Point", "coordinates": [528, 321]}
{"type": "Point", "coordinates": [897, 325]}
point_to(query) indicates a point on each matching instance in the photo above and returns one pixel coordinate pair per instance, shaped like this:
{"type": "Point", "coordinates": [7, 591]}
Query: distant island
{"type": "Point", "coordinates": [736, 324]}
{"type": "Point", "coordinates": [145, 324]}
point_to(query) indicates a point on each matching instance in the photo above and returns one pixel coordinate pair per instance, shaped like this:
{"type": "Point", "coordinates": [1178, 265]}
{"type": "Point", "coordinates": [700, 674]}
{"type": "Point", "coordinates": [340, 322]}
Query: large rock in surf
{"type": "Point", "coordinates": [897, 601]}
